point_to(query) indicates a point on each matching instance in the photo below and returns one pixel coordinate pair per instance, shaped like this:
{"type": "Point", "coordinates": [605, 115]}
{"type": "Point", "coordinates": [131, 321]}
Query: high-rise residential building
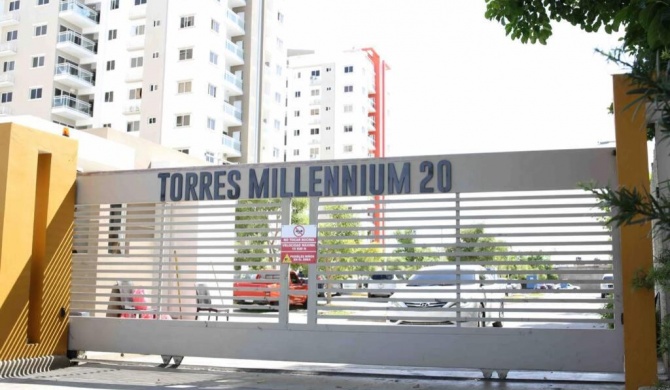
{"type": "Point", "coordinates": [336, 106]}
{"type": "Point", "coordinates": [195, 76]}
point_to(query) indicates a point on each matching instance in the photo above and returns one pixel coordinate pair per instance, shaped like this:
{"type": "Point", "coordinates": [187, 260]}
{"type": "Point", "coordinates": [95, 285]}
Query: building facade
{"type": "Point", "coordinates": [197, 76]}
{"type": "Point", "coordinates": [336, 106]}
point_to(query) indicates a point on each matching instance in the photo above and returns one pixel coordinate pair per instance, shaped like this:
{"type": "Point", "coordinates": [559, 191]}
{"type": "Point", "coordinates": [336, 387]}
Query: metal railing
{"type": "Point", "coordinates": [8, 46]}
{"type": "Point", "coordinates": [80, 8]}
{"type": "Point", "coordinates": [5, 110]}
{"type": "Point", "coordinates": [7, 77]}
{"type": "Point", "coordinates": [77, 39]}
{"type": "Point", "coordinates": [75, 71]}
{"type": "Point", "coordinates": [73, 103]}
{"type": "Point", "coordinates": [6, 17]}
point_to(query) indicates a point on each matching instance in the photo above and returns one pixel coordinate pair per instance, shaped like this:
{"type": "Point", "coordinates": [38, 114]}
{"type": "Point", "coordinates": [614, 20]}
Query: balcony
{"type": "Point", "coordinates": [71, 108]}
{"type": "Point", "coordinates": [233, 115]}
{"type": "Point", "coordinates": [231, 146]}
{"type": "Point", "coordinates": [6, 79]}
{"type": "Point", "coordinates": [234, 54]}
{"type": "Point", "coordinates": [134, 75]}
{"type": "Point", "coordinates": [236, 3]}
{"type": "Point", "coordinates": [138, 11]}
{"type": "Point", "coordinates": [78, 13]}
{"type": "Point", "coordinates": [314, 80]}
{"type": "Point", "coordinates": [234, 24]}
{"type": "Point", "coordinates": [7, 49]}
{"type": "Point", "coordinates": [135, 42]}
{"type": "Point", "coordinates": [372, 106]}
{"type": "Point", "coordinates": [233, 84]}
{"type": "Point", "coordinates": [371, 124]}
{"type": "Point", "coordinates": [9, 19]}
{"type": "Point", "coordinates": [74, 76]}
{"type": "Point", "coordinates": [76, 45]}
{"type": "Point", "coordinates": [132, 109]}
{"type": "Point", "coordinates": [5, 110]}
{"type": "Point", "coordinates": [315, 102]}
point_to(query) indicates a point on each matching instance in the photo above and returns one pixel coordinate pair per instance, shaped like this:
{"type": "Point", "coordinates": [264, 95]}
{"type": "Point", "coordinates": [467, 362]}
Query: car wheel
{"type": "Point", "coordinates": [371, 295]}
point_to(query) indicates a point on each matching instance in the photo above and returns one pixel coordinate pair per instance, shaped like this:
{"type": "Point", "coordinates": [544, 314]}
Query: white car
{"type": "Point", "coordinates": [381, 281]}
{"type": "Point", "coordinates": [430, 296]}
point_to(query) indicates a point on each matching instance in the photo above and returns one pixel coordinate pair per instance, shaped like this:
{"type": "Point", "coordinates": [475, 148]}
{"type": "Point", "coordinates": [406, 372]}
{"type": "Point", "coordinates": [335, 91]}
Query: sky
{"type": "Point", "coordinates": [457, 84]}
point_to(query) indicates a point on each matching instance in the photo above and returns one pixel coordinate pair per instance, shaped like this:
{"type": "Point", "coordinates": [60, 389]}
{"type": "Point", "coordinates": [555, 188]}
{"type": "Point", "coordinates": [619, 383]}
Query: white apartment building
{"type": "Point", "coordinates": [335, 106]}
{"type": "Point", "coordinates": [194, 76]}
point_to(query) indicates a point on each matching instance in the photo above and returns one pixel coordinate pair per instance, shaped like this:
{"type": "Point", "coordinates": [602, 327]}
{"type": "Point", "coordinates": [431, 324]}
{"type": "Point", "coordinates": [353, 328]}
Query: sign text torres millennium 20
{"type": "Point", "coordinates": [309, 180]}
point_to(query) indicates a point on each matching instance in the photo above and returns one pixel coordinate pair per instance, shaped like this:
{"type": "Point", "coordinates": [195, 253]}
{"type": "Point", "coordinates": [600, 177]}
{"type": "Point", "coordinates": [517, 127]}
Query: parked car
{"type": "Point", "coordinates": [265, 290]}
{"type": "Point", "coordinates": [381, 282]}
{"type": "Point", "coordinates": [334, 287]}
{"type": "Point", "coordinates": [568, 286]}
{"type": "Point", "coordinates": [607, 284]}
{"type": "Point", "coordinates": [431, 295]}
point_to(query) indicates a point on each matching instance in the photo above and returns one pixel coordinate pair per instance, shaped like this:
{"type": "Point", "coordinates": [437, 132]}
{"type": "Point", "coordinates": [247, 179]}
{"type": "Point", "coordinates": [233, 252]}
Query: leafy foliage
{"type": "Point", "coordinates": [343, 242]}
{"type": "Point", "coordinates": [412, 252]}
{"type": "Point", "coordinates": [475, 251]}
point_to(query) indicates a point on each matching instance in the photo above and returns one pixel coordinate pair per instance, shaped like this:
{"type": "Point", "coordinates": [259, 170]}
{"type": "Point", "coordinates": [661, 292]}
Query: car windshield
{"type": "Point", "coordinates": [433, 279]}
{"type": "Point", "coordinates": [382, 277]}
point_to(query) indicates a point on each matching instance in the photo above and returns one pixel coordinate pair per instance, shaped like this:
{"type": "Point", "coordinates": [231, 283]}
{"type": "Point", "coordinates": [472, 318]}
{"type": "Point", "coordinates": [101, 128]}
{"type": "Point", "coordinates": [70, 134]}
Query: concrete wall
{"type": "Point", "coordinates": [37, 197]}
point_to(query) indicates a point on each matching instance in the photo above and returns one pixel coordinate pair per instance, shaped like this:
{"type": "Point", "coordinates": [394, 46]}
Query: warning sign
{"type": "Point", "coordinates": [298, 244]}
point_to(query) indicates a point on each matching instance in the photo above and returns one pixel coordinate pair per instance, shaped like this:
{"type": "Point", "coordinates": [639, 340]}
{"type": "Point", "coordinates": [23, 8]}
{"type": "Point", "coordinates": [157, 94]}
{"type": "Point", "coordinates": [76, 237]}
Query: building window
{"type": "Point", "coordinates": [114, 4]}
{"type": "Point", "coordinates": [314, 111]}
{"type": "Point", "coordinates": [297, 94]}
{"type": "Point", "coordinates": [42, 2]}
{"type": "Point", "coordinates": [314, 131]}
{"type": "Point", "coordinates": [296, 113]}
{"type": "Point", "coordinates": [155, 54]}
{"type": "Point", "coordinates": [211, 90]}
{"type": "Point", "coordinates": [140, 2]}
{"type": "Point", "coordinates": [14, 5]}
{"type": "Point", "coordinates": [327, 108]}
{"type": "Point", "coordinates": [348, 148]}
{"type": "Point", "coordinates": [316, 73]}
{"type": "Point", "coordinates": [327, 147]}
{"type": "Point", "coordinates": [106, 125]}
{"type": "Point", "coordinates": [40, 30]}
{"type": "Point", "coordinates": [275, 152]}
{"type": "Point", "coordinates": [183, 120]}
{"type": "Point", "coordinates": [313, 153]}
{"type": "Point", "coordinates": [111, 35]}
{"type": "Point", "coordinates": [135, 94]}
{"type": "Point", "coordinates": [12, 35]}
{"type": "Point", "coordinates": [133, 126]}
{"type": "Point", "coordinates": [296, 152]}
{"type": "Point", "coordinates": [297, 75]}
{"type": "Point", "coordinates": [8, 66]}
{"type": "Point", "coordinates": [327, 128]}
{"type": "Point", "coordinates": [328, 88]}
{"type": "Point", "coordinates": [348, 88]}
{"type": "Point", "coordinates": [328, 69]}
{"type": "Point", "coordinates": [136, 62]}
{"type": "Point", "coordinates": [277, 97]}
{"type": "Point", "coordinates": [349, 69]}
{"type": "Point", "coordinates": [183, 150]}
{"type": "Point", "coordinates": [187, 21]}
{"type": "Point", "coordinates": [215, 26]}
{"type": "Point", "coordinates": [111, 65]}
{"type": "Point", "coordinates": [185, 54]}
{"type": "Point", "coordinates": [35, 93]}
{"type": "Point", "coordinates": [296, 132]}
{"type": "Point", "coordinates": [152, 121]}
{"type": "Point", "coordinates": [348, 108]}
{"type": "Point", "coordinates": [157, 23]}
{"type": "Point", "coordinates": [278, 70]}
{"type": "Point", "coordinates": [348, 128]}
{"type": "Point", "coordinates": [109, 97]}
{"type": "Point", "coordinates": [209, 157]}
{"type": "Point", "coordinates": [184, 87]}
{"type": "Point", "coordinates": [137, 30]}
{"type": "Point", "coordinates": [153, 87]}
{"type": "Point", "coordinates": [211, 123]}
{"type": "Point", "coordinates": [280, 17]}
{"type": "Point", "coordinates": [6, 97]}
{"type": "Point", "coordinates": [315, 92]}
{"type": "Point", "coordinates": [213, 58]}
{"type": "Point", "coordinates": [38, 61]}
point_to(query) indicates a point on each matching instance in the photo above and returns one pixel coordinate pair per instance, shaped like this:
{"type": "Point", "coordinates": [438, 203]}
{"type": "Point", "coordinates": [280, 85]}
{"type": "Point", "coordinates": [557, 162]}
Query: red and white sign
{"type": "Point", "coordinates": [298, 244]}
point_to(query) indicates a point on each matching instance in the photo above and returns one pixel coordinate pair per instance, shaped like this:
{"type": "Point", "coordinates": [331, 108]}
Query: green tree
{"type": "Point", "coordinates": [411, 251]}
{"type": "Point", "coordinates": [475, 246]}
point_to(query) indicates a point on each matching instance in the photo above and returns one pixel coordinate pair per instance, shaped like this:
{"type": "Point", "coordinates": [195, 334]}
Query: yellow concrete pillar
{"type": "Point", "coordinates": [639, 329]}
{"type": "Point", "coordinates": [37, 194]}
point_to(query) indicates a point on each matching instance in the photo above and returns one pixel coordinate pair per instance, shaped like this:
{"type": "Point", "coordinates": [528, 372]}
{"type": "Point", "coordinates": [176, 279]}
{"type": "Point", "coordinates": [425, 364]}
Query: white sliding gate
{"type": "Point", "coordinates": [159, 255]}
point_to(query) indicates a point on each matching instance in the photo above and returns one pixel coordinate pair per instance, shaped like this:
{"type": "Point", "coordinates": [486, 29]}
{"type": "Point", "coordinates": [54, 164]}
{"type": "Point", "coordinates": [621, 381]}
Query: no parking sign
{"type": "Point", "coordinates": [298, 244]}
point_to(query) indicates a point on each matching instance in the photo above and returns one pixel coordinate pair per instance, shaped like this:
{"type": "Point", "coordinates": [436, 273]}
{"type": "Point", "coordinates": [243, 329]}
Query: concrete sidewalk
{"type": "Point", "coordinates": [136, 372]}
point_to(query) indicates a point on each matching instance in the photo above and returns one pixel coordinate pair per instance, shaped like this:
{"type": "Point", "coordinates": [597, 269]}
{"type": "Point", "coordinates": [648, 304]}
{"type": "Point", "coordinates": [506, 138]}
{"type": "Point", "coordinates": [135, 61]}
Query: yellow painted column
{"type": "Point", "coordinates": [37, 194]}
{"type": "Point", "coordinates": [639, 329]}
